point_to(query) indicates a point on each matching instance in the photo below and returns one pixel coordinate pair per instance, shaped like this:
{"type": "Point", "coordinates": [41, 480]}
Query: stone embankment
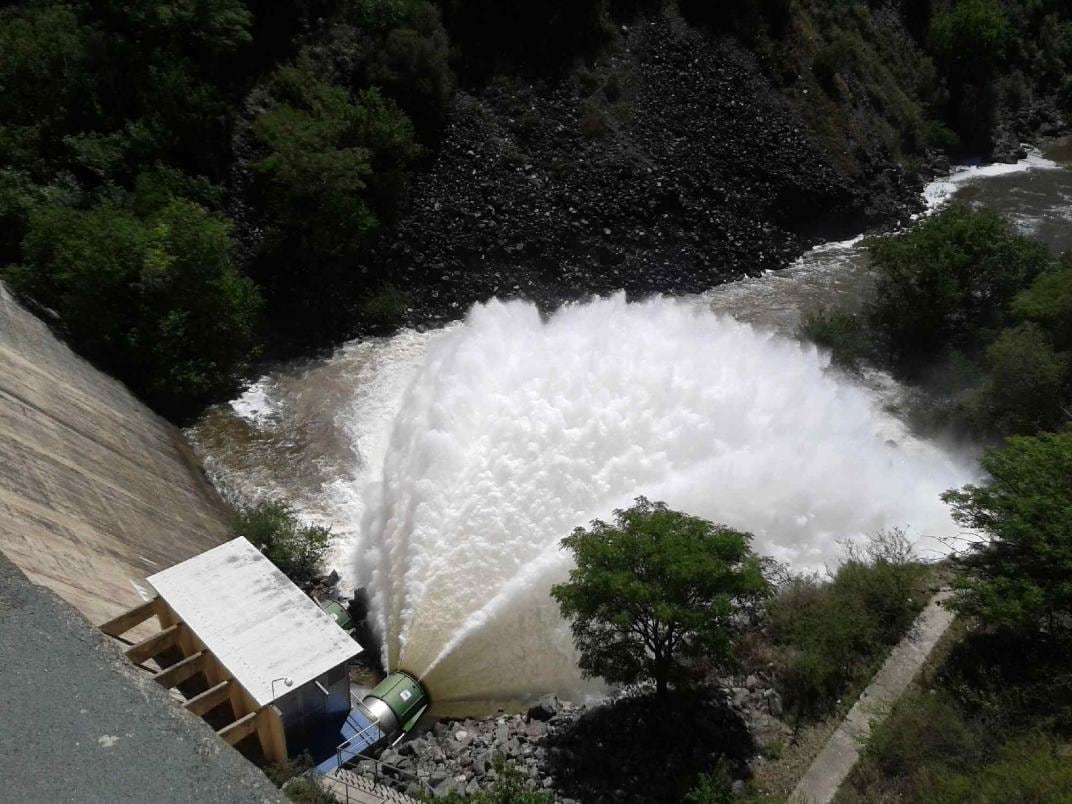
{"type": "Point", "coordinates": [620, 750]}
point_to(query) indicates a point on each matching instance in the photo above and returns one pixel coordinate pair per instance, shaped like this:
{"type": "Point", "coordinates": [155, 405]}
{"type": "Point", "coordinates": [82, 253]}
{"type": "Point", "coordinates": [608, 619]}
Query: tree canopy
{"type": "Point", "coordinates": [1019, 576]}
{"type": "Point", "coordinates": [654, 588]}
{"type": "Point", "coordinates": [949, 278]}
{"type": "Point", "coordinates": [298, 550]}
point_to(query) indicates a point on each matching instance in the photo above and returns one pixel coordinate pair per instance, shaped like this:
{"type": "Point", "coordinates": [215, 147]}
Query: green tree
{"type": "Point", "coordinates": [1026, 389]}
{"type": "Point", "coordinates": [971, 35]}
{"type": "Point", "coordinates": [950, 279]}
{"type": "Point", "coordinates": [298, 550]}
{"type": "Point", "coordinates": [653, 588]}
{"type": "Point", "coordinates": [1048, 303]}
{"type": "Point", "coordinates": [157, 300]}
{"type": "Point", "coordinates": [332, 162]}
{"type": "Point", "coordinates": [1019, 575]}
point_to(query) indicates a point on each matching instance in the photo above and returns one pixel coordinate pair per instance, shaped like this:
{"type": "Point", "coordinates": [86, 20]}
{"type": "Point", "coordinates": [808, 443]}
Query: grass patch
{"type": "Point", "coordinates": [828, 637]}
{"type": "Point", "coordinates": [992, 722]}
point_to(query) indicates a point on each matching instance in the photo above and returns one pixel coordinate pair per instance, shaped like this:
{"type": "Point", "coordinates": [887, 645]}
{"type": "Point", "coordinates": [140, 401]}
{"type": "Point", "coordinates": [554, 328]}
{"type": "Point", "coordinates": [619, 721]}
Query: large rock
{"type": "Point", "coordinates": [547, 707]}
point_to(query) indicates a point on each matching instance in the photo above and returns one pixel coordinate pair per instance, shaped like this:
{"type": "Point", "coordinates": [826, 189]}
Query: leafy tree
{"type": "Point", "coordinates": [43, 79]}
{"type": "Point", "coordinates": [653, 588]}
{"type": "Point", "coordinates": [331, 160]}
{"type": "Point", "coordinates": [971, 34]}
{"type": "Point", "coordinates": [155, 299]}
{"type": "Point", "coordinates": [1048, 302]}
{"type": "Point", "coordinates": [1019, 575]}
{"type": "Point", "coordinates": [952, 278]}
{"type": "Point", "coordinates": [298, 550]}
{"type": "Point", "coordinates": [1026, 390]}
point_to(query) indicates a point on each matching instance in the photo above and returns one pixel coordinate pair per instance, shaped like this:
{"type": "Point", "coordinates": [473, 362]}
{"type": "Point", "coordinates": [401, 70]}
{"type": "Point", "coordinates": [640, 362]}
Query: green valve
{"type": "Point", "coordinates": [397, 702]}
{"type": "Point", "coordinates": [340, 615]}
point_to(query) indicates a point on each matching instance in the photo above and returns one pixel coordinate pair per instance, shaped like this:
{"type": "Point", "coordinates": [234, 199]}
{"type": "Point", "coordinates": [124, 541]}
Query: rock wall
{"type": "Point", "coordinates": [96, 491]}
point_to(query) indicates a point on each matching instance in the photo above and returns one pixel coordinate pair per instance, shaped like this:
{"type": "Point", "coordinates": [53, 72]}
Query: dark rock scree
{"type": "Point", "coordinates": [671, 168]}
{"type": "Point", "coordinates": [630, 748]}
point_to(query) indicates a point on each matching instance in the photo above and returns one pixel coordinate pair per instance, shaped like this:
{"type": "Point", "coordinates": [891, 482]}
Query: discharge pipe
{"type": "Point", "coordinates": [397, 703]}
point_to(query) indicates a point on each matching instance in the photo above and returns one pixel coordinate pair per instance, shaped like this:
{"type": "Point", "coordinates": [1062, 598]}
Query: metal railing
{"type": "Point", "coordinates": [384, 776]}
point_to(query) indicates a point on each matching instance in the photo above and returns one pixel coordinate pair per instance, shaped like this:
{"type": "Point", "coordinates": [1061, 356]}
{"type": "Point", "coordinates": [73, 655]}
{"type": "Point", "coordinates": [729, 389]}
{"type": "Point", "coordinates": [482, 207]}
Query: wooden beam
{"type": "Point", "coordinates": [157, 643]}
{"type": "Point", "coordinates": [272, 737]}
{"type": "Point", "coordinates": [130, 618]}
{"type": "Point", "coordinates": [243, 727]}
{"type": "Point", "coordinates": [209, 699]}
{"type": "Point", "coordinates": [181, 671]}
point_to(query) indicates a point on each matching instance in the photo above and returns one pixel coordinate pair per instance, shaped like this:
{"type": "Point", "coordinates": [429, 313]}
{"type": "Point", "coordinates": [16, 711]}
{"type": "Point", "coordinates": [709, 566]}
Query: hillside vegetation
{"type": "Point", "coordinates": [183, 184]}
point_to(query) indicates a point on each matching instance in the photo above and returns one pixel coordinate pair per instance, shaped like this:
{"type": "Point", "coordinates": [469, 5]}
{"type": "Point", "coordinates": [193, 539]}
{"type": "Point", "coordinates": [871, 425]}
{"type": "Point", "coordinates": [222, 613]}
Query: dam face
{"type": "Point", "coordinates": [96, 491]}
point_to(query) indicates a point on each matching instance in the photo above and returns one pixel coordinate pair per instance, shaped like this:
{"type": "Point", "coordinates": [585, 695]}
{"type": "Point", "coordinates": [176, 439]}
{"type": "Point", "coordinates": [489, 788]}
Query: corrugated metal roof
{"type": "Point", "coordinates": [254, 619]}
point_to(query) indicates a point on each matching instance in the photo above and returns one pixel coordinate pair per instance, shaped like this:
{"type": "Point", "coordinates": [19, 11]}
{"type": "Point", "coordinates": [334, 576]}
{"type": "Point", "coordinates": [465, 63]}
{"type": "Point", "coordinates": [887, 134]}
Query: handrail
{"type": "Point", "coordinates": [409, 776]}
{"type": "Point", "coordinates": [388, 792]}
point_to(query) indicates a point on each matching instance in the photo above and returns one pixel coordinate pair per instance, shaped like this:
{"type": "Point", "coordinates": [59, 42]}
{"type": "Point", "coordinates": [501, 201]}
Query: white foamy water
{"type": "Point", "coordinates": [939, 192]}
{"type": "Point", "coordinates": [451, 463]}
{"type": "Point", "coordinates": [515, 430]}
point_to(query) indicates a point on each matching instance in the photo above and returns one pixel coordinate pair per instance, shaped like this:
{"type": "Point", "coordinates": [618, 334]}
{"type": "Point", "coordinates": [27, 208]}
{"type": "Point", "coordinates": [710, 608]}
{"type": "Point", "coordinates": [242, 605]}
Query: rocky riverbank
{"type": "Point", "coordinates": [630, 748]}
{"type": "Point", "coordinates": [672, 166]}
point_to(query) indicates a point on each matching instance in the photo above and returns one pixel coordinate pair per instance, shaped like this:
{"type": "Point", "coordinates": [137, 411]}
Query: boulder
{"type": "Point", "coordinates": [545, 709]}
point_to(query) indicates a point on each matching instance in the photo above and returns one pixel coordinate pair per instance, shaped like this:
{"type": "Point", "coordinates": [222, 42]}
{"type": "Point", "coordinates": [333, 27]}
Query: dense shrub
{"type": "Point", "coordinates": [298, 550]}
{"type": "Point", "coordinates": [950, 280]}
{"type": "Point", "coordinates": [1048, 303]}
{"type": "Point", "coordinates": [714, 787]}
{"type": "Point", "coordinates": [988, 724]}
{"type": "Point", "coordinates": [842, 334]}
{"type": "Point", "coordinates": [829, 636]}
{"type": "Point", "coordinates": [384, 308]}
{"type": "Point", "coordinates": [332, 161]}
{"type": "Point", "coordinates": [1018, 575]}
{"type": "Point", "coordinates": [971, 34]}
{"type": "Point", "coordinates": [155, 299]}
{"type": "Point", "coordinates": [1027, 386]}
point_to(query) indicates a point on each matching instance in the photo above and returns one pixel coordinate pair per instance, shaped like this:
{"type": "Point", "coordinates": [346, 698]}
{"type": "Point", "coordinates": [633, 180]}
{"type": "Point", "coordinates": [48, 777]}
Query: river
{"type": "Point", "coordinates": [450, 462]}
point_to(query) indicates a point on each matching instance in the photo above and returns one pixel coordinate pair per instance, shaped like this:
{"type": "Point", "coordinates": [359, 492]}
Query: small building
{"type": "Point", "coordinates": [237, 634]}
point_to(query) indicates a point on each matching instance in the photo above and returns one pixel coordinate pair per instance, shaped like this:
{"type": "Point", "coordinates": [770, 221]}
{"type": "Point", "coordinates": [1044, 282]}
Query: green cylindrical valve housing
{"type": "Point", "coordinates": [397, 702]}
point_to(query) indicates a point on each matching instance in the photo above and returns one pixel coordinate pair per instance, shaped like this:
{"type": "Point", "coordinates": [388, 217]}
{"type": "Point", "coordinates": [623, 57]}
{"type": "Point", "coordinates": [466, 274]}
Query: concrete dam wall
{"type": "Point", "coordinates": [96, 491]}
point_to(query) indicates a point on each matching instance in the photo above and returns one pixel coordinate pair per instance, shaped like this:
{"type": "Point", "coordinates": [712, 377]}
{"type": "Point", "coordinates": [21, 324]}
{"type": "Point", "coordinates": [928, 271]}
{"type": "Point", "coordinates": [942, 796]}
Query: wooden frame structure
{"type": "Point", "coordinates": [248, 717]}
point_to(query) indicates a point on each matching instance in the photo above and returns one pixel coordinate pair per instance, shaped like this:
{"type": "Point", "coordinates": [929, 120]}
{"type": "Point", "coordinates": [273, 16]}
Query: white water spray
{"type": "Point", "coordinates": [515, 430]}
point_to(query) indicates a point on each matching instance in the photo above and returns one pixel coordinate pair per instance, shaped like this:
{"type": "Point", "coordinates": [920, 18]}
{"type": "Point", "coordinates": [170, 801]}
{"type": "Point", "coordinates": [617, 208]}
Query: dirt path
{"type": "Point", "coordinates": [839, 755]}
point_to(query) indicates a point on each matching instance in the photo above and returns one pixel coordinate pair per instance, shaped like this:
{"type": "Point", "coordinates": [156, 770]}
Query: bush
{"type": "Point", "coordinates": [384, 309]}
{"type": "Point", "coordinates": [829, 637]}
{"type": "Point", "coordinates": [950, 280]}
{"type": "Point", "coordinates": [989, 724]}
{"type": "Point", "coordinates": [972, 35]}
{"type": "Point", "coordinates": [842, 334]}
{"type": "Point", "coordinates": [410, 64]}
{"type": "Point", "coordinates": [1027, 388]}
{"type": "Point", "coordinates": [938, 135]}
{"type": "Point", "coordinates": [156, 300]}
{"type": "Point", "coordinates": [1016, 577]}
{"type": "Point", "coordinates": [333, 162]}
{"type": "Point", "coordinates": [1048, 303]}
{"type": "Point", "coordinates": [715, 787]}
{"type": "Point", "coordinates": [297, 550]}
